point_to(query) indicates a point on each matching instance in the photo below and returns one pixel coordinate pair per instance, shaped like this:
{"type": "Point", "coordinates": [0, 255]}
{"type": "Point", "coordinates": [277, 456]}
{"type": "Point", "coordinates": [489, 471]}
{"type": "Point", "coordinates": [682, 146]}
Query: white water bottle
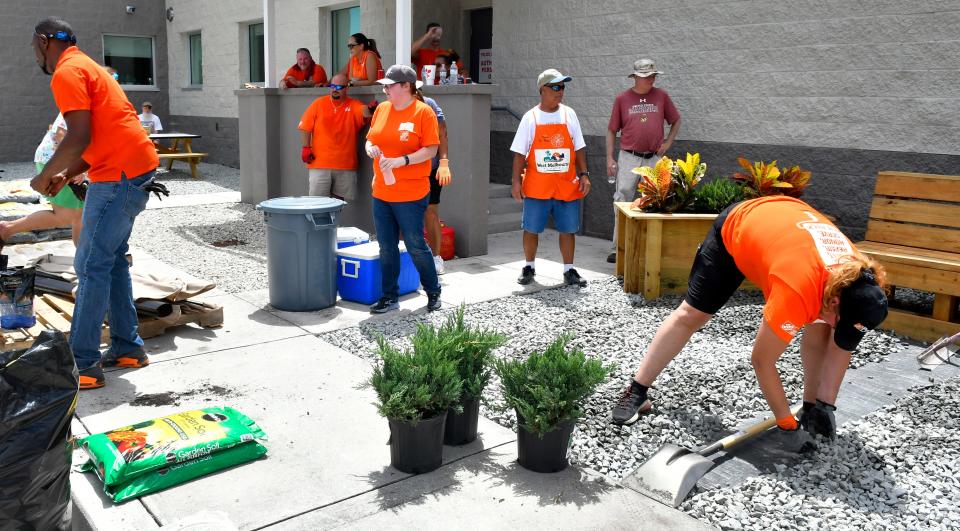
{"type": "Point", "coordinates": [443, 74]}
{"type": "Point", "coordinates": [454, 71]}
{"type": "Point", "coordinates": [388, 177]}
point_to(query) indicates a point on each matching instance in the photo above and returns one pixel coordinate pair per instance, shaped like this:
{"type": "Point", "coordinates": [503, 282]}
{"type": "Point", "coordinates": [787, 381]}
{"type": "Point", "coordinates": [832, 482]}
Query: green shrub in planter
{"type": "Point", "coordinates": [715, 196]}
{"type": "Point", "coordinates": [415, 385]}
{"type": "Point", "coordinates": [548, 388]}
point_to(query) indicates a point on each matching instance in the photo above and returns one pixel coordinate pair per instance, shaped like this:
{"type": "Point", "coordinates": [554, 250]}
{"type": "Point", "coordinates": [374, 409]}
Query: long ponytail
{"type": "Point", "coordinates": [368, 44]}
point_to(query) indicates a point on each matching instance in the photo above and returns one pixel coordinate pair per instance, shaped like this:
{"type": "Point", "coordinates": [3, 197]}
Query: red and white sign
{"type": "Point", "coordinates": [485, 74]}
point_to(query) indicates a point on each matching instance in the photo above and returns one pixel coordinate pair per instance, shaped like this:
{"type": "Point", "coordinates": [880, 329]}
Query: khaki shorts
{"type": "Point", "coordinates": [330, 183]}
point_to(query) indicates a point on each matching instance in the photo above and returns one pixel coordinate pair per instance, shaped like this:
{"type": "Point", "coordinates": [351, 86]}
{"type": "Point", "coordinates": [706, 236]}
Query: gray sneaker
{"type": "Point", "coordinates": [385, 305]}
{"type": "Point", "coordinates": [572, 278]}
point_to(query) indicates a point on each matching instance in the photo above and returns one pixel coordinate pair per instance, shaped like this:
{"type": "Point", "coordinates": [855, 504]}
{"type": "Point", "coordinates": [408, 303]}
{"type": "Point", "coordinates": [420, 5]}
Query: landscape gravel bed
{"type": "Point", "coordinates": [709, 387]}
{"type": "Point", "coordinates": [224, 243]}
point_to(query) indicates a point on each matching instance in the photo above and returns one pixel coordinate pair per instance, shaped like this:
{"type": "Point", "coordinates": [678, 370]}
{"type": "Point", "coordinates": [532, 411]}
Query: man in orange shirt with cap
{"type": "Point", "coordinates": [811, 276]}
{"type": "Point", "coordinates": [328, 134]}
{"type": "Point", "coordinates": [105, 139]}
{"type": "Point", "coordinates": [550, 174]}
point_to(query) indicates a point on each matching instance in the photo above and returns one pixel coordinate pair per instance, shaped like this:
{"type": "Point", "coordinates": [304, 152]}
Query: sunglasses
{"type": "Point", "coordinates": [556, 88]}
{"type": "Point", "coordinates": [351, 46]}
{"type": "Point", "coordinates": [338, 87]}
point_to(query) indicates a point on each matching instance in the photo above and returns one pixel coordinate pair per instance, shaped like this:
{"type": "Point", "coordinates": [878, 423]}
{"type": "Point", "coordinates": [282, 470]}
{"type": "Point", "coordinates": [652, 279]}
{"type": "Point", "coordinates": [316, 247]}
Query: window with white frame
{"type": "Point", "coordinates": [255, 52]}
{"type": "Point", "coordinates": [195, 47]}
{"type": "Point", "coordinates": [132, 58]}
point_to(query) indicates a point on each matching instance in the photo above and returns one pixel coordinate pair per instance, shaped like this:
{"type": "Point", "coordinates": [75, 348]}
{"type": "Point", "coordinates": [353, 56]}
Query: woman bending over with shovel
{"type": "Point", "coordinates": [811, 276]}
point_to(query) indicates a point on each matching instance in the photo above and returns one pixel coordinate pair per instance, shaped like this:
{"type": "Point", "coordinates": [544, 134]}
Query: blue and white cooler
{"type": "Point", "coordinates": [350, 236]}
{"type": "Point", "coordinates": [358, 273]}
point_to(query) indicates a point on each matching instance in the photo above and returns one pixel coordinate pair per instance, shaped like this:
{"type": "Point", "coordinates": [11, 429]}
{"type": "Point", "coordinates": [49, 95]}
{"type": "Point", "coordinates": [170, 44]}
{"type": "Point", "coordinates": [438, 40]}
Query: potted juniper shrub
{"type": "Point", "coordinates": [415, 388]}
{"type": "Point", "coordinates": [548, 390]}
{"type": "Point", "coordinates": [472, 350]}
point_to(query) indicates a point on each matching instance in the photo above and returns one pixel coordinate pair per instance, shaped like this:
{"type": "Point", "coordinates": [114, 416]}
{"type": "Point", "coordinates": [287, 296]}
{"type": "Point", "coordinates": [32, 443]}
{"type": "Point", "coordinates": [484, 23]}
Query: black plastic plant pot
{"type": "Point", "coordinates": [462, 427]}
{"type": "Point", "coordinates": [546, 454]}
{"type": "Point", "coordinates": [417, 449]}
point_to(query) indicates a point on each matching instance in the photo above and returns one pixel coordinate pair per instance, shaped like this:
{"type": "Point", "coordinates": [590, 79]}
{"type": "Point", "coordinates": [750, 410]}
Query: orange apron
{"type": "Point", "coordinates": [358, 69]}
{"type": "Point", "coordinates": [551, 163]}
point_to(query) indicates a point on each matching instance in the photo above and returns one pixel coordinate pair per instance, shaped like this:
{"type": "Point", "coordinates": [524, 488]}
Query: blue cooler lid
{"type": "Point", "coordinates": [366, 251]}
{"type": "Point", "coordinates": [301, 205]}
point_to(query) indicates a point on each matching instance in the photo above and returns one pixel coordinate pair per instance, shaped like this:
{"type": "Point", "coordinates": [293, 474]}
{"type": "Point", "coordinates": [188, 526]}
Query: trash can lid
{"type": "Point", "coordinates": [301, 205]}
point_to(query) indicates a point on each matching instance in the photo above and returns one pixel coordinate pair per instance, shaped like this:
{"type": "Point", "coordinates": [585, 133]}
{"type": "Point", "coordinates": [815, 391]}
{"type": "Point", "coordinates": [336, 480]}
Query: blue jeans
{"type": "Point", "coordinates": [103, 274]}
{"type": "Point", "coordinates": [391, 218]}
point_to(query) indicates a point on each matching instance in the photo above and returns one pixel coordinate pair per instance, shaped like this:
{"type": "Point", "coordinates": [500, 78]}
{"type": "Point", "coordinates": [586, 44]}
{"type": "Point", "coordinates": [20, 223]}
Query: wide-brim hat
{"type": "Point", "coordinates": [644, 68]}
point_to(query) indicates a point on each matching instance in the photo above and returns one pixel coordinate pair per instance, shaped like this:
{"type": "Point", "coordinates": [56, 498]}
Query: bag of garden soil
{"type": "Point", "coordinates": [16, 296]}
{"type": "Point", "coordinates": [173, 475]}
{"type": "Point", "coordinates": [125, 453]}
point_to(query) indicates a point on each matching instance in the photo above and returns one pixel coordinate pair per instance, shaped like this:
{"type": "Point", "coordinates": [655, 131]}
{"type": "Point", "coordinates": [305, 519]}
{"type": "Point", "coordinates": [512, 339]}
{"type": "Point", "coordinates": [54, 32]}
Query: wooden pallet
{"type": "Point", "coordinates": [53, 313]}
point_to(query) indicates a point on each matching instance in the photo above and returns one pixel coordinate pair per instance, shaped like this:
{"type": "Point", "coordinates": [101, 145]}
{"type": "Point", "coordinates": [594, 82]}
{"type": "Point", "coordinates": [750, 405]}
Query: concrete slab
{"type": "Point", "coordinates": [491, 491]}
{"type": "Point", "coordinates": [477, 279]}
{"type": "Point", "coordinates": [590, 257]}
{"type": "Point", "coordinates": [327, 442]}
{"type": "Point", "coordinates": [243, 324]}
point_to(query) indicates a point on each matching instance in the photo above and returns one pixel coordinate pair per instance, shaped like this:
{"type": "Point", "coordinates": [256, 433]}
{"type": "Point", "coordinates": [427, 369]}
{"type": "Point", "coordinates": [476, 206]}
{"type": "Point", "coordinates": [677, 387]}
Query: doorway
{"type": "Point", "coordinates": [481, 38]}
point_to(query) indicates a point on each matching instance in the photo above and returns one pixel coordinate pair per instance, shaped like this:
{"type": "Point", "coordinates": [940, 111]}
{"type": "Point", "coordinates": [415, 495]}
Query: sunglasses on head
{"type": "Point", "coordinates": [556, 88]}
{"type": "Point", "coordinates": [338, 87]}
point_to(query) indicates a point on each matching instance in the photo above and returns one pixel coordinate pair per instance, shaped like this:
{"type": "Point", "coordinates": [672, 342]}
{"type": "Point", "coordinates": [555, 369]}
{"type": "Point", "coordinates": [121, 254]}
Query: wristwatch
{"type": "Point", "coordinates": [584, 174]}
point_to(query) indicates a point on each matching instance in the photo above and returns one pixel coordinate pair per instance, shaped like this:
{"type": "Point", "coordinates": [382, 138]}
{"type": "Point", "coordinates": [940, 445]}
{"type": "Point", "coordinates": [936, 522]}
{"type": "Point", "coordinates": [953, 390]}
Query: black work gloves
{"type": "Point", "coordinates": [818, 419]}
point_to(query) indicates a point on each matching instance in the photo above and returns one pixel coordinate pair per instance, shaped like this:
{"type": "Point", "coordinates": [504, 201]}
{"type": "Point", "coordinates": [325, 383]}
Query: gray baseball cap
{"type": "Point", "coordinates": [644, 68]}
{"type": "Point", "coordinates": [551, 75]}
{"type": "Point", "coordinates": [398, 74]}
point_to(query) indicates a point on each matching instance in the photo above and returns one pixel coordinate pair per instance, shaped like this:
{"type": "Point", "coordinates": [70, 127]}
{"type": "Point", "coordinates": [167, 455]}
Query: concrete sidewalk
{"type": "Point", "coordinates": [328, 461]}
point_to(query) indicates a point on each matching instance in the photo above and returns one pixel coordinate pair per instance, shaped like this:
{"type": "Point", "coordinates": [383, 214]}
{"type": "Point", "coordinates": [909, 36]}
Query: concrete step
{"type": "Point", "coordinates": [497, 223]}
{"type": "Point", "coordinates": [499, 190]}
{"type": "Point", "coordinates": [504, 205]}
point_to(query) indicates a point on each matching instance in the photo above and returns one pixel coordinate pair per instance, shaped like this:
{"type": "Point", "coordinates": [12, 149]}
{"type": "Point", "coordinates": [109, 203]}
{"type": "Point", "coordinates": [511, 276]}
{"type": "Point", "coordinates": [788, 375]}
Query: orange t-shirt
{"type": "Point", "coordinates": [118, 143]}
{"type": "Point", "coordinates": [785, 247]}
{"type": "Point", "coordinates": [319, 74]}
{"type": "Point", "coordinates": [358, 69]}
{"type": "Point", "coordinates": [399, 133]}
{"type": "Point", "coordinates": [334, 128]}
{"type": "Point", "coordinates": [428, 56]}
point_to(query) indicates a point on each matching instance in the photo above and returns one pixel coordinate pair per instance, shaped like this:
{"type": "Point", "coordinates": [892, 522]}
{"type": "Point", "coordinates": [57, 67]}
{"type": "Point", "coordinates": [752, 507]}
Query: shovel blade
{"type": "Point", "coordinates": [669, 475]}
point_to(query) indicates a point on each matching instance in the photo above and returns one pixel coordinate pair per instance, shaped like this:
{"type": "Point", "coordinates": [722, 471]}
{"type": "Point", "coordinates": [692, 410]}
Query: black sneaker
{"type": "Point", "coordinates": [612, 258]}
{"type": "Point", "coordinates": [92, 377]}
{"type": "Point", "coordinates": [631, 404]}
{"type": "Point", "coordinates": [572, 278]}
{"type": "Point", "coordinates": [385, 305]}
{"type": "Point", "coordinates": [135, 359]}
{"type": "Point", "coordinates": [526, 276]}
{"type": "Point", "coordinates": [433, 301]}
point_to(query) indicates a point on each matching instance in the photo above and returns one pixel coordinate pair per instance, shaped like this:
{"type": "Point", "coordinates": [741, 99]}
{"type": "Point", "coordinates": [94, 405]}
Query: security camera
{"type": "Point", "coordinates": [131, 9]}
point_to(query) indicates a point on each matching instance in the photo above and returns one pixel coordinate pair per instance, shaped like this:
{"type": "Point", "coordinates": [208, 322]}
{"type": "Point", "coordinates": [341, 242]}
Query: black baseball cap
{"type": "Point", "coordinates": [863, 306]}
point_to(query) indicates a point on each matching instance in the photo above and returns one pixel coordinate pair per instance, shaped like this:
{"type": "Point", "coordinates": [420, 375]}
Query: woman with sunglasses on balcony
{"type": "Point", "coordinates": [403, 138]}
{"type": "Point", "coordinates": [364, 62]}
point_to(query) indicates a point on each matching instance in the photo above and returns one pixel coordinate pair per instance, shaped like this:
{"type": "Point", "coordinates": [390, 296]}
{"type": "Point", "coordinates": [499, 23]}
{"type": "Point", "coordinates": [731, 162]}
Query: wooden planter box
{"type": "Point", "coordinates": [655, 251]}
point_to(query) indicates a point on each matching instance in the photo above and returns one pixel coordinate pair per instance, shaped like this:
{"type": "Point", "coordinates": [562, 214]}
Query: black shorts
{"type": "Point", "coordinates": [435, 187]}
{"type": "Point", "coordinates": [714, 276]}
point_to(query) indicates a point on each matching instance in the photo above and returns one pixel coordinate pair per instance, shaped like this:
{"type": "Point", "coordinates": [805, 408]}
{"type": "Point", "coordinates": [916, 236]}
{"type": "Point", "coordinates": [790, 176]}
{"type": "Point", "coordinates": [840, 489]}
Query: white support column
{"type": "Point", "coordinates": [404, 37]}
{"type": "Point", "coordinates": [269, 44]}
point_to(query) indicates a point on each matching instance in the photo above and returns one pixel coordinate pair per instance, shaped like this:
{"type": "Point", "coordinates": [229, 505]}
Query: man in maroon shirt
{"type": "Point", "coordinates": [638, 115]}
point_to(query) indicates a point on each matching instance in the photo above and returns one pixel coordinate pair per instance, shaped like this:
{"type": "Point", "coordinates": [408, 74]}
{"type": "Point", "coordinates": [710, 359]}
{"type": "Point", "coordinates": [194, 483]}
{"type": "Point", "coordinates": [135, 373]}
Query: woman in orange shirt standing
{"type": "Point", "coordinates": [364, 61]}
{"type": "Point", "coordinates": [402, 141]}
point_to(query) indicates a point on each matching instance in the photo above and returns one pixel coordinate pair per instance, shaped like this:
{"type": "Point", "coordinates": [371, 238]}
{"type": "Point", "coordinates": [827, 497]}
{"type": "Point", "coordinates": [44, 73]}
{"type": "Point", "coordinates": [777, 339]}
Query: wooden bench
{"type": "Point", "coordinates": [914, 231]}
{"type": "Point", "coordinates": [192, 158]}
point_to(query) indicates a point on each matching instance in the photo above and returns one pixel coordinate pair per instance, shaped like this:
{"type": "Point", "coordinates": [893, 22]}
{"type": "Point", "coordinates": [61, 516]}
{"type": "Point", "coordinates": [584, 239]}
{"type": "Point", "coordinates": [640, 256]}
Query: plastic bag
{"type": "Point", "coordinates": [124, 453]}
{"type": "Point", "coordinates": [16, 297]}
{"type": "Point", "coordinates": [163, 478]}
{"type": "Point", "coordinates": [38, 393]}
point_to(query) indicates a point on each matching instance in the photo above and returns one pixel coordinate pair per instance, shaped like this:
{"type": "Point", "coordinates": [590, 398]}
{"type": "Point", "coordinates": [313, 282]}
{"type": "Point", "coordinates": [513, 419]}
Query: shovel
{"type": "Point", "coordinates": [670, 474]}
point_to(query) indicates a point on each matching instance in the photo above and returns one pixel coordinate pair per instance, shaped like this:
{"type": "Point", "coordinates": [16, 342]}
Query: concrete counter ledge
{"type": "Point", "coordinates": [270, 164]}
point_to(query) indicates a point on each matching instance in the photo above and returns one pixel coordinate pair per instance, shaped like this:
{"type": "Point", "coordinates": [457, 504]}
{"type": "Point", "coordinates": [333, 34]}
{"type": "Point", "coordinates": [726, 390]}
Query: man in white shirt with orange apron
{"type": "Point", "coordinates": [550, 174]}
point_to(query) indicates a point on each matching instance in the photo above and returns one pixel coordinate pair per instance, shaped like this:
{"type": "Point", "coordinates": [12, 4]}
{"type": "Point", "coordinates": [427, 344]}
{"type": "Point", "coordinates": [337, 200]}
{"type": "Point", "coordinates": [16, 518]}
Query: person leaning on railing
{"type": "Point", "coordinates": [403, 138]}
{"type": "Point", "coordinates": [364, 61]}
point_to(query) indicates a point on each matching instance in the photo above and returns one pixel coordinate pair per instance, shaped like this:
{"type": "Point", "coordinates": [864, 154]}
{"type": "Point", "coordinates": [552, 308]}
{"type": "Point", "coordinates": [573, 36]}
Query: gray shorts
{"type": "Point", "coordinates": [329, 183]}
{"type": "Point", "coordinates": [627, 180]}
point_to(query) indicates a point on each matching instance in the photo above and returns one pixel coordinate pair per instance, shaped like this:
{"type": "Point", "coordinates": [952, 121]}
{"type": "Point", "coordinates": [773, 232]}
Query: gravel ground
{"type": "Point", "coordinates": [213, 177]}
{"type": "Point", "coordinates": [711, 386]}
{"type": "Point", "coordinates": [185, 238]}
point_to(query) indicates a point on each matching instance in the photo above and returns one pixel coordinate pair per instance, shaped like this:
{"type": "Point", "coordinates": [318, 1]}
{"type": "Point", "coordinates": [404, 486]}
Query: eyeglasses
{"type": "Point", "coordinates": [338, 87]}
{"type": "Point", "coordinates": [556, 88]}
{"type": "Point", "coordinates": [352, 45]}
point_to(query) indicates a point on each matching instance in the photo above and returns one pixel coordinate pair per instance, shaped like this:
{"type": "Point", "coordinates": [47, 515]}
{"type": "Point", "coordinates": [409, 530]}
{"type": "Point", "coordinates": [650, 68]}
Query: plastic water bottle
{"type": "Point", "coordinates": [388, 177]}
{"type": "Point", "coordinates": [443, 74]}
{"type": "Point", "coordinates": [454, 71]}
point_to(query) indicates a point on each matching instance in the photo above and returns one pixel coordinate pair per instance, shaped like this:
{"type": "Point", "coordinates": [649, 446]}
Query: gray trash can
{"type": "Point", "coordinates": [302, 251]}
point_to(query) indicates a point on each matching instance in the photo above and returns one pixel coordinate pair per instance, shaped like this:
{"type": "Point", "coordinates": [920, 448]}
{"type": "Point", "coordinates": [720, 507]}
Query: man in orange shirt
{"type": "Point", "coordinates": [105, 139]}
{"type": "Point", "coordinates": [811, 276]}
{"type": "Point", "coordinates": [424, 50]}
{"type": "Point", "coordinates": [305, 73]}
{"type": "Point", "coordinates": [328, 133]}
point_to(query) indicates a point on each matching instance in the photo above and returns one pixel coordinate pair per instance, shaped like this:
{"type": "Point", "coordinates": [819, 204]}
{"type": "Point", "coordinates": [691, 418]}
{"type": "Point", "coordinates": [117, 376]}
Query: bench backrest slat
{"type": "Point", "coordinates": [917, 210]}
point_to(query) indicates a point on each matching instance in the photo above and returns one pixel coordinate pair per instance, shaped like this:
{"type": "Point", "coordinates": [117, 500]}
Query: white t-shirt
{"type": "Point", "coordinates": [49, 144]}
{"type": "Point", "coordinates": [524, 137]}
{"type": "Point", "coordinates": [152, 119]}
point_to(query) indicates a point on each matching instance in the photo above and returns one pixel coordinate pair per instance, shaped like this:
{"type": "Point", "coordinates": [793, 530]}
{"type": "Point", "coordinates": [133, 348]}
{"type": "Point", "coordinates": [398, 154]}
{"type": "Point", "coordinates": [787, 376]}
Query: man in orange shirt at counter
{"type": "Point", "coordinates": [328, 132]}
{"type": "Point", "coordinates": [105, 139]}
{"type": "Point", "coordinates": [305, 73]}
